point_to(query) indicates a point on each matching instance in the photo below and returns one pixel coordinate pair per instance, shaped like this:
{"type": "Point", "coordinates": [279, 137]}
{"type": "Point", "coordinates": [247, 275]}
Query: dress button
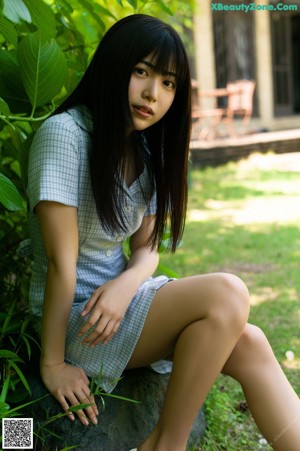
{"type": "Point", "coordinates": [128, 209]}
{"type": "Point", "coordinates": [119, 238]}
{"type": "Point", "coordinates": [109, 253]}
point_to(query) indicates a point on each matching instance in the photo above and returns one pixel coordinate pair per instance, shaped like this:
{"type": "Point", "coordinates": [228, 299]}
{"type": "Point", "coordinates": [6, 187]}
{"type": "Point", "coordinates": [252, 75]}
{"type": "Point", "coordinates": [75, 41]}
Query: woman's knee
{"type": "Point", "coordinates": [254, 343]}
{"type": "Point", "coordinates": [251, 351]}
{"type": "Point", "coordinates": [232, 301]}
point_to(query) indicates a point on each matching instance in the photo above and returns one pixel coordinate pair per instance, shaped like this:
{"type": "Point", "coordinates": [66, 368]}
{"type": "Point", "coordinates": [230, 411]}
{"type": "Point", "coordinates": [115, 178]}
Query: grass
{"type": "Point", "coordinates": [244, 218]}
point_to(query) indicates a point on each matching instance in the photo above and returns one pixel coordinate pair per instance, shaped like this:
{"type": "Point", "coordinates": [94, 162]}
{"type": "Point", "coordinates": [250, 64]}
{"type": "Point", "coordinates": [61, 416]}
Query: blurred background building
{"type": "Point", "coordinates": [260, 45]}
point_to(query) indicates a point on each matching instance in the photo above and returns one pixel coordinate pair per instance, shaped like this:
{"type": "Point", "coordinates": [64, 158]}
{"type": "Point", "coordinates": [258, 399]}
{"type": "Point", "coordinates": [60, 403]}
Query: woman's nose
{"type": "Point", "coordinates": [151, 90]}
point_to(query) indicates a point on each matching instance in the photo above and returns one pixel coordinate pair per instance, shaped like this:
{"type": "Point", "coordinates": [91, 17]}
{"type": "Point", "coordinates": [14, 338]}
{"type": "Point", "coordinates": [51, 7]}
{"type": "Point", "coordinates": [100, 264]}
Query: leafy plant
{"type": "Point", "coordinates": [45, 46]}
{"type": "Point", "coordinates": [14, 342]}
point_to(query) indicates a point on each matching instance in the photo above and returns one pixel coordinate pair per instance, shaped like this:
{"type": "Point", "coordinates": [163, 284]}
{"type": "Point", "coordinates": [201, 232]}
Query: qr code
{"type": "Point", "coordinates": [17, 433]}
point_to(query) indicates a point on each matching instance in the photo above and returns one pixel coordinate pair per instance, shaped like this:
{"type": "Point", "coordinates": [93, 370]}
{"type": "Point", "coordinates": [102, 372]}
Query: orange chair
{"type": "Point", "coordinates": [240, 102]}
{"type": "Point", "coordinates": [214, 115]}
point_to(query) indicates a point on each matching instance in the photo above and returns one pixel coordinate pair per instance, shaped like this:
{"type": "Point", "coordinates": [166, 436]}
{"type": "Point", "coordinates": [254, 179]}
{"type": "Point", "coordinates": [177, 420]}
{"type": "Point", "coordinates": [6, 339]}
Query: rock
{"type": "Point", "coordinates": [122, 425]}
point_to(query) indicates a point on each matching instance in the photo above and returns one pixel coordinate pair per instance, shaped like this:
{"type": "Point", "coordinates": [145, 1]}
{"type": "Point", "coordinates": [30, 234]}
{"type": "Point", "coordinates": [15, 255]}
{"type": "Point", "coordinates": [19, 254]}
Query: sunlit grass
{"type": "Point", "coordinates": [244, 218]}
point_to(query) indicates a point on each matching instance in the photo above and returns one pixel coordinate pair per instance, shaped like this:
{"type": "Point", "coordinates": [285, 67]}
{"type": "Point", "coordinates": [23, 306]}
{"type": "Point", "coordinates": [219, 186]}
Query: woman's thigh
{"type": "Point", "coordinates": [182, 302]}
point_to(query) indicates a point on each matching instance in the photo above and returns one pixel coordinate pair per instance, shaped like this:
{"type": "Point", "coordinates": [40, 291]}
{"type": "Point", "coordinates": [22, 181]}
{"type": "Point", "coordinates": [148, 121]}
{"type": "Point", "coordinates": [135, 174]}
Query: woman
{"type": "Point", "coordinates": [112, 164]}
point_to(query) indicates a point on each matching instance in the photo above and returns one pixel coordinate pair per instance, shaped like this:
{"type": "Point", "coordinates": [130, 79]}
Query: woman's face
{"type": "Point", "coordinates": [150, 94]}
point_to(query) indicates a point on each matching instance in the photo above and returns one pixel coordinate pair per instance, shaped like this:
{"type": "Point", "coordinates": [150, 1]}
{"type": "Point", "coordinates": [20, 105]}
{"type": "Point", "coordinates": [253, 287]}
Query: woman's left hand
{"type": "Point", "coordinates": [107, 307]}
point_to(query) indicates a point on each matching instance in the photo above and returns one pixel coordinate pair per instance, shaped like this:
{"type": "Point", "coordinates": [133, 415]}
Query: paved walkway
{"type": "Point", "coordinates": [253, 138]}
{"type": "Point", "coordinates": [220, 151]}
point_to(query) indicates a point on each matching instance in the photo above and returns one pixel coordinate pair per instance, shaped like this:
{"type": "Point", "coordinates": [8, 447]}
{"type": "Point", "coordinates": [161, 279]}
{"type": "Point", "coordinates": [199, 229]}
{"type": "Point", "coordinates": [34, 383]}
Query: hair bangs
{"type": "Point", "coordinates": [167, 55]}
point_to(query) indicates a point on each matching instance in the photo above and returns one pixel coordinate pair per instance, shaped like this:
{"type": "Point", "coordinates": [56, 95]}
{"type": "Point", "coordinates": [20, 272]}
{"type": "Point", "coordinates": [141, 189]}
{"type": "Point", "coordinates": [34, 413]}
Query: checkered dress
{"type": "Point", "coordinates": [59, 171]}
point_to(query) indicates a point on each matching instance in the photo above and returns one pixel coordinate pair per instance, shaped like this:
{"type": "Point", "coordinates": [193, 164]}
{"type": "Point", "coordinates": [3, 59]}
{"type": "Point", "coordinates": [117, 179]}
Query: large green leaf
{"type": "Point", "coordinates": [43, 17]}
{"type": "Point", "coordinates": [106, 12]}
{"type": "Point", "coordinates": [8, 61]}
{"type": "Point", "coordinates": [16, 11]}
{"type": "Point", "coordinates": [88, 6]}
{"type": "Point", "coordinates": [9, 195]}
{"type": "Point", "coordinates": [4, 108]}
{"type": "Point", "coordinates": [64, 6]}
{"type": "Point", "coordinates": [11, 85]}
{"type": "Point", "coordinates": [133, 3]}
{"type": "Point", "coordinates": [164, 7]}
{"type": "Point", "coordinates": [8, 31]}
{"type": "Point", "coordinates": [43, 68]}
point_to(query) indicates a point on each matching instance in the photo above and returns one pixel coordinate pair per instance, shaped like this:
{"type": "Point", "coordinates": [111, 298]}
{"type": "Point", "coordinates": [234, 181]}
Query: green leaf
{"type": "Point", "coordinates": [64, 5]}
{"type": "Point", "coordinates": [4, 108]}
{"type": "Point", "coordinates": [8, 31]}
{"type": "Point", "coordinates": [16, 11]}
{"type": "Point", "coordinates": [68, 448]}
{"type": "Point", "coordinates": [167, 271]}
{"type": "Point", "coordinates": [121, 398]}
{"type": "Point", "coordinates": [132, 3]}
{"type": "Point", "coordinates": [9, 195]}
{"type": "Point", "coordinates": [11, 84]}
{"type": "Point", "coordinates": [20, 374]}
{"type": "Point", "coordinates": [14, 409]}
{"type": "Point", "coordinates": [90, 8]}
{"type": "Point", "coordinates": [26, 341]}
{"type": "Point", "coordinates": [8, 60]}
{"type": "Point", "coordinates": [105, 11]}
{"type": "Point", "coordinates": [79, 407]}
{"type": "Point", "coordinates": [4, 392]}
{"type": "Point", "coordinates": [164, 7]}
{"type": "Point", "coordinates": [43, 17]}
{"type": "Point", "coordinates": [23, 154]}
{"type": "Point", "coordinates": [8, 317]}
{"type": "Point", "coordinates": [24, 325]}
{"type": "Point", "coordinates": [6, 354]}
{"type": "Point", "coordinates": [4, 407]}
{"type": "Point", "coordinates": [43, 68]}
{"type": "Point", "coordinates": [33, 340]}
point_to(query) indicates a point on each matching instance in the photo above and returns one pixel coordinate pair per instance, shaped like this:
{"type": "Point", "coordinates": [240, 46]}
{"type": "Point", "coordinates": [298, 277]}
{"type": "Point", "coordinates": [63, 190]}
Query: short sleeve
{"type": "Point", "coordinates": [152, 206]}
{"type": "Point", "coordinates": [54, 162]}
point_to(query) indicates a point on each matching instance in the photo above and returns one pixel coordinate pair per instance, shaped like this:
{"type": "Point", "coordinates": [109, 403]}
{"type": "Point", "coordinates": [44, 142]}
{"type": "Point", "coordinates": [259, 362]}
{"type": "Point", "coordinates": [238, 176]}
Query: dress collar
{"type": "Point", "coordinates": [82, 117]}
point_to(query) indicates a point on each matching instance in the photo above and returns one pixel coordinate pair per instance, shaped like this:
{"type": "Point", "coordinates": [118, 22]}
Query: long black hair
{"type": "Point", "coordinates": [104, 90]}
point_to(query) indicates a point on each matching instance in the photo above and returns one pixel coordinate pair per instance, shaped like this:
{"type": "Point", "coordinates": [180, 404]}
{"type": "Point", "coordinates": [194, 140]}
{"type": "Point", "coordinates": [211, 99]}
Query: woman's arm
{"type": "Point", "coordinates": [143, 260]}
{"type": "Point", "coordinates": [58, 225]}
{"type": "Point", "coordinates": [109, 303]}
{"type": "Point", "coordinates": [68, 384]}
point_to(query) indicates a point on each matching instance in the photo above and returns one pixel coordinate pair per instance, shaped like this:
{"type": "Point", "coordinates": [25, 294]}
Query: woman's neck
{"type": "Point", "coordinates": [132, 168]}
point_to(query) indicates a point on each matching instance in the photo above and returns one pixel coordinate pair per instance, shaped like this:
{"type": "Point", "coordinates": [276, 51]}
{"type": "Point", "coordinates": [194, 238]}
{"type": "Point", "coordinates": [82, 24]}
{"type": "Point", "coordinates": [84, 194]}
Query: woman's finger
{"type": "Point", "coordinates": [65, 406]}
{"type": "Point", "coordinates": [98, 329]}
{"type": "Point", "coordinates": [91, 302]}
{"type": "Point", "coordinates": [91, 410]}
{"type": "Point", "coordinates": [80, 413]}
{"type": "Point", "coordinates": [90, 322]}
{"type": "Point", "coordinates": [113, 332]}
{"type": "Point", "coordinates": [108, 333]}
{"type": "Point", "coordinates": [87, 392]}
{"type": "Point", "coordinates": [99, 333]}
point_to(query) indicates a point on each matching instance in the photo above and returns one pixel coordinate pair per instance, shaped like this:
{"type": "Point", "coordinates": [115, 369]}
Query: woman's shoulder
{"type": "Point", "coordinates": [76, 120]}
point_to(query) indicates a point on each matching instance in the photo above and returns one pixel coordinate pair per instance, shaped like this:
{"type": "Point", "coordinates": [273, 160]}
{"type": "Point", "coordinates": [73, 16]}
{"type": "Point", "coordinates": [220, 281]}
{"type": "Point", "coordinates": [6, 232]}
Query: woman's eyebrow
{"type": "Point", "coordinates": [153, 67]}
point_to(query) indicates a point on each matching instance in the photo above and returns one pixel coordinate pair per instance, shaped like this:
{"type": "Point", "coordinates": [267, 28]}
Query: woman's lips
{"type": "Point", "coordinates": [143, 110]}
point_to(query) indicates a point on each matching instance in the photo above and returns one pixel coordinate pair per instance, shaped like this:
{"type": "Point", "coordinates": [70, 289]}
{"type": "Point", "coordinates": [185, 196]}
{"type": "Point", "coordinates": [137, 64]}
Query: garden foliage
{"type": "Point", "coordinates": [45, 46]}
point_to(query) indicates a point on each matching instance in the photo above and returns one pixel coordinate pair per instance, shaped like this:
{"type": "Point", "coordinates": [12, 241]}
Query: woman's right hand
{"type": "Point", "coordinates": [70, 386]}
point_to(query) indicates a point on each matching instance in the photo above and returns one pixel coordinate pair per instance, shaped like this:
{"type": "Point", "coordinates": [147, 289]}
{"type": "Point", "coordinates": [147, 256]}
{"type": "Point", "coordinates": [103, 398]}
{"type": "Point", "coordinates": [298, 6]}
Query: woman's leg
{"type": "Point", "coordinates": [271, 399]}
{"type": "Point", "coordinates": [199, 320]}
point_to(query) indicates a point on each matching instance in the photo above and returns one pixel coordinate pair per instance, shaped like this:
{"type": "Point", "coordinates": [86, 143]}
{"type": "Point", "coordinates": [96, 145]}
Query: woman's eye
{"type": "Point", "coordinates": [170, 84]}
{"type": "Point", "coordinates": [140, 71]}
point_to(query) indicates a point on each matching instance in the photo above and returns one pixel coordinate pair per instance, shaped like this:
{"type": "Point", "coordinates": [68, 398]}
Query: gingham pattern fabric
{"type": "Point", "coordinates": [59, 171]}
